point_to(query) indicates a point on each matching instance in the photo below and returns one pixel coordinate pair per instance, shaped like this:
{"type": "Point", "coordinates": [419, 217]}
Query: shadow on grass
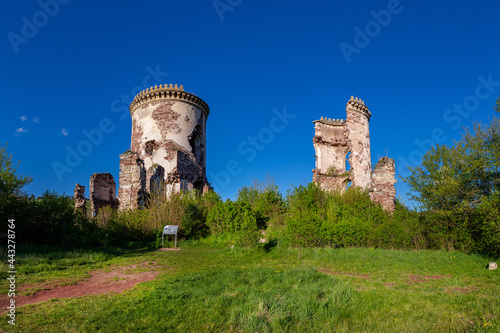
{"type": "Point", "coordinates": [270, 245]}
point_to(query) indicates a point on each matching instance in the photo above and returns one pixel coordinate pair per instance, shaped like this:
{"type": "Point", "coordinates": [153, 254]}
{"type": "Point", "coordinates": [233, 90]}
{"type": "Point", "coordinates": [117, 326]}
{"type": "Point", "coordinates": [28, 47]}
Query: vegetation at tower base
{"type": "Point", "coordinates": [458, 187]}
{"type": "Point", "coordinates": [318, 218]}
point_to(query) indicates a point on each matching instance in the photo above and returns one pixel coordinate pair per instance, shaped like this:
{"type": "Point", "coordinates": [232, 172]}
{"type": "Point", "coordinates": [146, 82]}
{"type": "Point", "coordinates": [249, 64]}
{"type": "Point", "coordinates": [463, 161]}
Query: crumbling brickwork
{"type": "Point", "coordinates": [382, 188]}
{"type": "Point", "coordinates": [79, 196]}
{"type": "Point", "coordinates": [168, 138]}
{"type": "Point", "coordinates": [102, 192]}
{"type": "Point", "coordinates": [338, 143]}
{"type": "Point", "coordinates": [331, 149]}
{"type": "Point", "coordinates": [132, 181]}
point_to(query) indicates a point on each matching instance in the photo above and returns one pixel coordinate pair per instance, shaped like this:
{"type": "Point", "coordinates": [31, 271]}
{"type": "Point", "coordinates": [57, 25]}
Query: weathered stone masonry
{"type": "Point", "coordinates": [168, 145]}
{"type": "Point", "coordinates": [79, 196]}
{"type": "Point", "coordinates": [338, 142]}
{"type": "Point", "coordinates": [132, 181]}
{"type": "Point", "coordinates": [102, 192]}
{"type": "Point", "coordinates": [382, 184]}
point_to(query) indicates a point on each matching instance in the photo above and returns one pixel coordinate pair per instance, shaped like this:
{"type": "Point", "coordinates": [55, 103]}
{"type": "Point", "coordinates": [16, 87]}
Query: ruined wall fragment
{"type": "Point", "coordinates": [331, 150]}
{"type": "Point", "coordinates": [132, 181]}
{"type": "Point", "coordinates": [102, 192]}
{"type": "Point", "coordinates": [79, 196]}
{"type": "Point", "coordinates": [383, 178]}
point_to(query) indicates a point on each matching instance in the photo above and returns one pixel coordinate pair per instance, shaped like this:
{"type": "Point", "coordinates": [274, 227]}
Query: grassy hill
{"type": "Point", "coordinates": [210, 287]}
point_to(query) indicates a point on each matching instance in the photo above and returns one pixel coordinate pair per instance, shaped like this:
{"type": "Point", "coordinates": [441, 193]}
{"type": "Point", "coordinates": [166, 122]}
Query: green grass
{"type": "Point", "coordinates": [209, 287]}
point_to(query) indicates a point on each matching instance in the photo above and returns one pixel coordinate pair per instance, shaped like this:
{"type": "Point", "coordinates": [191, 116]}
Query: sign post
{"type": "Point", "coordinates": [170, 230]}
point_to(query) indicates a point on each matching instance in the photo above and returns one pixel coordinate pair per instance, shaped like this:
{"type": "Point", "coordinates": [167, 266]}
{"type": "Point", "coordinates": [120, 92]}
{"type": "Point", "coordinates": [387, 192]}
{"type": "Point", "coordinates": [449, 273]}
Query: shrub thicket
{"type": "Point", "coordinates": [465, 228]}
{"type": "Point", "coordinates": [51, 219]}
{"type": "Point", "coordinates": [318, 218]}
{"type": "Point", "coordinates": [236, 218]}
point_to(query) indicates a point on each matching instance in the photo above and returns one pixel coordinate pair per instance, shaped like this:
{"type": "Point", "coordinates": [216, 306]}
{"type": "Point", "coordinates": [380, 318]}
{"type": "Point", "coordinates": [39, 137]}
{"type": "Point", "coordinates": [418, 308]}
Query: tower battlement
{"type": "Point", "coordinates": [168, 92]}
{"type": "Point", "coordinates": [357, 105]}
{"type": "Point", "coordinates": [330, 121]}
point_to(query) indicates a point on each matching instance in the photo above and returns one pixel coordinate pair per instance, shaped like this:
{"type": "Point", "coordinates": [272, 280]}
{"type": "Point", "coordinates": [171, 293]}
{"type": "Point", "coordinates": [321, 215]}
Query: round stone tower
{"type": "Point", "coordinates": [358, 139]}
{"type": "Point", "coordinates": [168, 143]}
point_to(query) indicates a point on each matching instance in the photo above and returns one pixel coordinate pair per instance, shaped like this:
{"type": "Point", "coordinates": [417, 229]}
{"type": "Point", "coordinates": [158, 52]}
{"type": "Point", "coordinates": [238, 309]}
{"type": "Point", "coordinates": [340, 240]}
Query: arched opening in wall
{"type": "Point", "coordinates": [347, 165]}
{"type": "Point", "coordinates": [347, 168]}
{"type": "Point", "coordinates": [151, 147]}
{"type": "Point", "coordinates": [197, 146]}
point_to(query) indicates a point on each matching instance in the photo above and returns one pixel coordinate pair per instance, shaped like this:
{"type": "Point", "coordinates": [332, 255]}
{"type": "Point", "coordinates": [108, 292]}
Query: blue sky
{"type": "Point", "coordinates": [71, 67]}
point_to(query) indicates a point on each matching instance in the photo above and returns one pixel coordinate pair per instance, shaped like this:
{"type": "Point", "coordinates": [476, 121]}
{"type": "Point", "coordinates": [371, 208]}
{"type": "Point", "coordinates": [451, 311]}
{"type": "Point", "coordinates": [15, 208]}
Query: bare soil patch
{"type": "Point", "coordinates": [114, 279]}
{"type": "Point", "coordinates": [461, 290]}
{"type": "Point", "coordinates": [412, 279]}
{"type": "Point", "coordinates": [327, 271]}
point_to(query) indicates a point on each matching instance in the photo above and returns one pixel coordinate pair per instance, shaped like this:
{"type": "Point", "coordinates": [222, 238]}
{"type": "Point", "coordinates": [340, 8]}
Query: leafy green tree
{"type": "Point", "coordinates": [12, 200]}
{"type": "Point", "coordinates": [10, 182]}
{"type": "Point", "coordinates": [462, 174]}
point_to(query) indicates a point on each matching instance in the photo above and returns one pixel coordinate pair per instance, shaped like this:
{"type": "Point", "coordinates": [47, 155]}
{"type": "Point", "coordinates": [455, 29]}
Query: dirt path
{"type": "Point", "coordinates": [117, 280]}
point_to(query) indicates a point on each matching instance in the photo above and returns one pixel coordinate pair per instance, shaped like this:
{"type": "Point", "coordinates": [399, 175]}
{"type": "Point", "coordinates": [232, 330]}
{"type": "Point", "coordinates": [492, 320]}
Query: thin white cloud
{"type": "Point", "coordinates": [23, 118]}
{"type": "Point", "coordinates": [20, 131]}
{"type": "Point", "coordinates": [36, 120]}
{"type": "Point", "coordinates": [64, 132]}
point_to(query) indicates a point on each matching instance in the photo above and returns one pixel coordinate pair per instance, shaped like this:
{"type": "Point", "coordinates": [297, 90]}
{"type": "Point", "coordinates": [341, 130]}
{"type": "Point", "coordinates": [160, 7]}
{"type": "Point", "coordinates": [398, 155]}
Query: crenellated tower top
{"type": "Point", "coordinates": [330, 121]}
{"type": "Point", "coordinates": [357, 105]}
{"type": "Point", "coordinates": [170, 92]}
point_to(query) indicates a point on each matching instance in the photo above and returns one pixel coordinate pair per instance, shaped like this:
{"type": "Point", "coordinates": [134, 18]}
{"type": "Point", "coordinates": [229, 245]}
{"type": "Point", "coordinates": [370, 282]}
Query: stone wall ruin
{"type": "Point", "coordinates": [102, 192]}
{"type": "Point", "coordinates": [79, 196]}
{"type": "Point", "coordinates": [339, 143]}
{"type": "Point", "coordinates": [382, 187]}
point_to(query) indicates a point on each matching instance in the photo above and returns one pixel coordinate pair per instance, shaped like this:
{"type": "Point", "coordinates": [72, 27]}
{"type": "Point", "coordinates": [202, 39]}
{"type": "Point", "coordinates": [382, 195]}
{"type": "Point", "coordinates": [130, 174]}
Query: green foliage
{"type": "Point", "coordinates": [236, 218]}
{"type": "Point", "coordinates": [466, 229]}
{"type": "Point", "coordinates": [462, 174]}
{"type": "Point", "coordinates": [458, 186]}
{"type": "Point", "coordinates": [12, 200]}
{"type": "Point", "coordinates": [52, 220]}
{"type": "Point", "coordinates": [265, 200]}
{"type": "Point", "coordinates": [10, 182]}
{"type": "Point", "coordinates": [305, 228]}
{"type": "Point", "coordinates": [317, 218]}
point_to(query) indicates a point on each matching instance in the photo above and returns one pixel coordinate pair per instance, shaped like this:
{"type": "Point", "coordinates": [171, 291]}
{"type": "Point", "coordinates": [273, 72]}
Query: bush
{"type": "Point", "coordinates": [317, 218]}
{"type": "Point", "coordinates": [235, 218]}
{"type": "Point", "coordinates": [472, 230]}
{"type": "Point", "coordinates": [51, 220]}
{"type": "Point", "coordinates": [265, 200]}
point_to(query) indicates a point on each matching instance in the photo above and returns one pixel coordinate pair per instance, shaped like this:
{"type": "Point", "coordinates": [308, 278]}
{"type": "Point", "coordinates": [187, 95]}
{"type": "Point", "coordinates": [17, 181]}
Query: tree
{"type": "Point", "coordinates": [10, 182]}
{"type": "Point", "coordinates": [462, 174]}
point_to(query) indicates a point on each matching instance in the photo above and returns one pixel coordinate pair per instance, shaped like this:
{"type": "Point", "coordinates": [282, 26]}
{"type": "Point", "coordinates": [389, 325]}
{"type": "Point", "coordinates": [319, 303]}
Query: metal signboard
{"type": "Point", "coordinates": [170, 230]}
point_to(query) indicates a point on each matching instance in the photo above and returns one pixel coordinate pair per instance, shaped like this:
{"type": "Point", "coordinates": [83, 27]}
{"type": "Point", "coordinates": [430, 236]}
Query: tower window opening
{"type": "Point", "coordinates": [151, 147]}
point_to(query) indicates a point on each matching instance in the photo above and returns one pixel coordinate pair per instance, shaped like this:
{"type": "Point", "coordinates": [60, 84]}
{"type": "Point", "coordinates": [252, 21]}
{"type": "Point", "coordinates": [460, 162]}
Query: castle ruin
{"type": "Point", "coordinates": [168, 145]}
{"type": "Point", "coordinates": [338, 142]}
{"type": "Point", "coordinates": [168, 153]}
